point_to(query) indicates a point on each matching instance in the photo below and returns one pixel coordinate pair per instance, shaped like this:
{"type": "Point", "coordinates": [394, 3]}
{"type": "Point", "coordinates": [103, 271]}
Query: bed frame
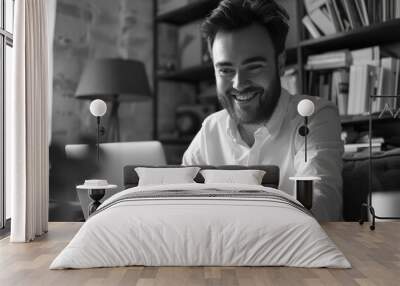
{"type": "Point", "coordinates": [270, 179]}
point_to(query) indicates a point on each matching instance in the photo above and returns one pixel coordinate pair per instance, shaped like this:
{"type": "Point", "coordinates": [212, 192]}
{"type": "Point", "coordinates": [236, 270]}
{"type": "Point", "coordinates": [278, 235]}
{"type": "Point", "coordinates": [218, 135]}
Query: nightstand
{"type": "Point", "coordinates": [96, 190]}
{"type": "Point", "coordinates": [304, 190]}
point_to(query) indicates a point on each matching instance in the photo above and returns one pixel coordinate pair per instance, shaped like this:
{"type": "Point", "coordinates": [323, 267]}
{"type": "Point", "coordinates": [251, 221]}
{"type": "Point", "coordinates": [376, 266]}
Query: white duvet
{"type": "Point", "coordinates": [200, 231]}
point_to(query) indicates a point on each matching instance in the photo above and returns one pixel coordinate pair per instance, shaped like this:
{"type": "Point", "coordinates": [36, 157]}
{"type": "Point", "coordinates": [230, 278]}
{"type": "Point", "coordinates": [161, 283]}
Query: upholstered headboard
{"type": "Point", "coordinates": [270, 179]}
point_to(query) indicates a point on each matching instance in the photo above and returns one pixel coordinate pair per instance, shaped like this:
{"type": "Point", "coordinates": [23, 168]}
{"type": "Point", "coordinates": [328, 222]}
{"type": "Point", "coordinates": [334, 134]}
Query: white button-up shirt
{"type": "Point", "coordinates": [278, 143]}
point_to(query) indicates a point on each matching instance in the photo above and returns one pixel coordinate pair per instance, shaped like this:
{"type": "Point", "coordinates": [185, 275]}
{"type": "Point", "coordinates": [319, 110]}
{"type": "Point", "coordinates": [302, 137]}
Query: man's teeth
{"type": "Point", "coordinates": [246, 97]}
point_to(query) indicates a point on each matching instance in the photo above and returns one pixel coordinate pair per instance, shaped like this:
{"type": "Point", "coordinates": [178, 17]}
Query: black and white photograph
{"type": "Point", "coordinates": [199, 142]}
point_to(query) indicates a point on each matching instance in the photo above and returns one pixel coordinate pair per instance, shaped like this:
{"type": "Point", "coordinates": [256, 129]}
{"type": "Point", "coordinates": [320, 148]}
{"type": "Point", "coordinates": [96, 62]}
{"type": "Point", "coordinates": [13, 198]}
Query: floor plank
{"type": "Point", "coordinates": [374, 255]}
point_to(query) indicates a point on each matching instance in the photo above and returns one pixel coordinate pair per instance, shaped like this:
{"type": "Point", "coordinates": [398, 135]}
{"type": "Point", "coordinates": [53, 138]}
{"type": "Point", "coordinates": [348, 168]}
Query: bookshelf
{"type": "Point", "coordinates": [365, 36]}
{"type": "Point", "coordinates": [187, 13]}
{"type": "Point", "coordinates": [376, 34]}
{"type": "Point", "coordinates": [348, 120]}
{"type": "Point", "coordinates": [206, 72]}
{"type": "Point", "coordinates": [191, 75]}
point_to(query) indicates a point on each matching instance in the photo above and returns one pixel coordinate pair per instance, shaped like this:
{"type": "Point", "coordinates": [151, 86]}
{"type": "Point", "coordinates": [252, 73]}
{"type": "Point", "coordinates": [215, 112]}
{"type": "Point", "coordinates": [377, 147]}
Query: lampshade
{"type": "Point", "coordinates": [109, 79]}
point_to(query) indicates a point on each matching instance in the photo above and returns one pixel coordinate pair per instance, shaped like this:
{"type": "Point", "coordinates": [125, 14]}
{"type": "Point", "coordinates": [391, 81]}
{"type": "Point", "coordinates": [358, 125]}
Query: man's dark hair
{"type": "Point", "coordinates": [236, 14]}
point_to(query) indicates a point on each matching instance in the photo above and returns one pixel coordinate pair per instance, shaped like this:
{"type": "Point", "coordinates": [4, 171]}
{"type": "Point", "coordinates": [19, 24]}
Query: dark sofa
{"type": "Point", "coordinates": [385, 178]}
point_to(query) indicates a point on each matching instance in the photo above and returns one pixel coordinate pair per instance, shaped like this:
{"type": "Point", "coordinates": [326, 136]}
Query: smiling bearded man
{"type": "Point", "coordinates": [259, 123]}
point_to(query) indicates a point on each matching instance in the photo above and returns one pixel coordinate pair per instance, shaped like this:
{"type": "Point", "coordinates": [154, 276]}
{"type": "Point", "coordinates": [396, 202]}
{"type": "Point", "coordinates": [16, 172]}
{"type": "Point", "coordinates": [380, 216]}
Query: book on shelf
{"type": "Point", "coordinates": [332, 85]}
{"type": "Point", "coordinates": [352, 79]}
{"type": "Point", "coordinates": [343, 23]}
{"type": "Point", "coordinates": [324, 86]}
{"type": "Point", "coordinates": [362, 143]}
{"type": "Point", "coordinates": [361, 86]}
{"type": "Point", "coordinates": [342, 15]}
{"type": "Point", "coordinates": [377, 12]}
{"type": "Point", "coordinates": [332, 16]}
{"type": "Point", "coordinates": [311, 28]}
{"type": "Point", "coordinates": [397, 86]}
{"type": "Point", "coordinates": [365, 139]}
{"type": "Point", "coordinates": [385, 11]}
{"type": "Point", "coordinates": [369, 55]}
{"type": "Point", "coordinates": [318, 11]}
{"type": "Point", "coordinates": [397, 10]}
{"type": "Point", "coordinates": [357, 147]}
{"type": "Point", "coordinates": [330, 60]}
{"type": "Point", "coordinates": [359, 96]}
{"type": "Point", "coordinates": [340, 89]}
{"type": "Point", "coordinates": [362, 11]}
{"type": "Point", "coordinates": [388, 79]}
{"type": "Point", "coordinates": [352, 14]}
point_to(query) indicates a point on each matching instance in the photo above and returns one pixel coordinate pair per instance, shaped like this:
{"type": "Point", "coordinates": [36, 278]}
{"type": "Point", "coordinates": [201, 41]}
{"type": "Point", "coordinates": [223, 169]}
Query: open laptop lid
{"type": "Point", "coordinates": [114, 156]}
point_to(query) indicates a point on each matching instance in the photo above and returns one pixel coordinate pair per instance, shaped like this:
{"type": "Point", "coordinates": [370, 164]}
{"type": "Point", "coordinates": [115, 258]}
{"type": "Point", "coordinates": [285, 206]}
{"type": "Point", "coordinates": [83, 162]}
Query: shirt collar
{"type": "Point", "coordinates": [272, 126]}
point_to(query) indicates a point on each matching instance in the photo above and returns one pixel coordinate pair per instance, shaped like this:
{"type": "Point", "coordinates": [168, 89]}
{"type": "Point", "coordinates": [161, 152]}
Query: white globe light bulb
{"type": "Point", "coordinates": [98, 107]}
{"type": "Point", "coordinates": [305, 107]}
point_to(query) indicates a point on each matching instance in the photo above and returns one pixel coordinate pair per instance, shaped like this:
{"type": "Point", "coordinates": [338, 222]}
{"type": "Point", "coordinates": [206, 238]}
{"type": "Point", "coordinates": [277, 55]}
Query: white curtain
{"type": "Point", "coordinates": [27, 123]}
{"type": "Point", "coordinates": [51, 23]}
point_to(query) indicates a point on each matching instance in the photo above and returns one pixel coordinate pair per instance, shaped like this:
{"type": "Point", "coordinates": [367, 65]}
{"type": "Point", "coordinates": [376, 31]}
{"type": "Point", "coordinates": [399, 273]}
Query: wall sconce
{"type": "Point", "coordinates": [304, 185]}
{"type": "Point", "coordinates": [98, 108]}
{"type": "Point", "coordinates": [305, 108]}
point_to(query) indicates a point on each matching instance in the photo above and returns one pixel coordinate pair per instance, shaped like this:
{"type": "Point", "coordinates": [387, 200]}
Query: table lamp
{"type": "Point", "coordinates": [116, 81]}
{"type": "Point", "coordinates": [98, 108]}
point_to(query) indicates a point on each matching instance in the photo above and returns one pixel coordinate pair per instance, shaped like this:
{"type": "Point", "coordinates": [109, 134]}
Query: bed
{"type": "Point", "coordinates": [201, 224]}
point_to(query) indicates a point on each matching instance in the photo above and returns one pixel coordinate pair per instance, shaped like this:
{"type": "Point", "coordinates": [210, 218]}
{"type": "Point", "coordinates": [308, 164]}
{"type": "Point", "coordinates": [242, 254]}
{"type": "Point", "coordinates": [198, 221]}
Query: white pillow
{"type": "Point", "coordinates": [248, 177]}
{"type": "Point", "coordinates": [162, 176]}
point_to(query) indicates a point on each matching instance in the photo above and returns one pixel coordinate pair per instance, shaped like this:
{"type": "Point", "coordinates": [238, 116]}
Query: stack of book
{"type": "Point", "coordinates": [376, 144]}
{"type": "Point", "coordinates": [326, 17]}
{"type": "Point", "coordinates": [331, 60]}
{"type": "Point", "coordinates": [328, 77]}
{"type": "Point", "coordinates": [373, 74]}
{"type": "Point", "coordinates": [350, 78]}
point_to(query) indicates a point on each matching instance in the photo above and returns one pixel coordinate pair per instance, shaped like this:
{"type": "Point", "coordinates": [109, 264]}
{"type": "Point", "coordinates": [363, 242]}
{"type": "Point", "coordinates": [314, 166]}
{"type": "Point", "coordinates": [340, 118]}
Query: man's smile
{"type": "Point", "coordinates": [246, 96]}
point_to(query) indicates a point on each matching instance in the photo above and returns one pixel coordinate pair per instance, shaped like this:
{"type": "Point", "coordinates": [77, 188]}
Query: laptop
{"type": "Point", "coordinates": [113, 157]}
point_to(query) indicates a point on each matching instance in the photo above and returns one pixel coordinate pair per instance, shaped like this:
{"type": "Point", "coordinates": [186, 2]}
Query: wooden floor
{"type": "Point", "coordinates": [374, 255]}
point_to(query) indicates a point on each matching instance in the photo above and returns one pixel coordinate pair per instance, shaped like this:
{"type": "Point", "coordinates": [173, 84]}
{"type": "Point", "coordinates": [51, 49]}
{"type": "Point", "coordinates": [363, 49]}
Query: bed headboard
{"type": "Point", "coordinates": [270, 179]}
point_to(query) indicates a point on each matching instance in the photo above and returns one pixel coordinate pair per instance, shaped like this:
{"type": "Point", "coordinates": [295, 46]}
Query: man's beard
{"type": "Point", "coordinates": [265, 100]}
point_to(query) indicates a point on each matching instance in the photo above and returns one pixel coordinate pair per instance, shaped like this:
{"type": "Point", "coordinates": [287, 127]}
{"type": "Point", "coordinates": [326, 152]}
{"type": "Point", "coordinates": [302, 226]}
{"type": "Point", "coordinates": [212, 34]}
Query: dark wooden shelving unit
{"type": "Point", "coordinates": [376, 34]}
{"type": "Point", "coordinates": [364, 118]}
{"type": "Point", "coordinates": [206, 72]}
{"type": "Point", "coordinates": [373, 35]}
{"type": "Point", "coordinates": [188, 13]}
{"type": "Point", "coordinates": [191, 75]}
